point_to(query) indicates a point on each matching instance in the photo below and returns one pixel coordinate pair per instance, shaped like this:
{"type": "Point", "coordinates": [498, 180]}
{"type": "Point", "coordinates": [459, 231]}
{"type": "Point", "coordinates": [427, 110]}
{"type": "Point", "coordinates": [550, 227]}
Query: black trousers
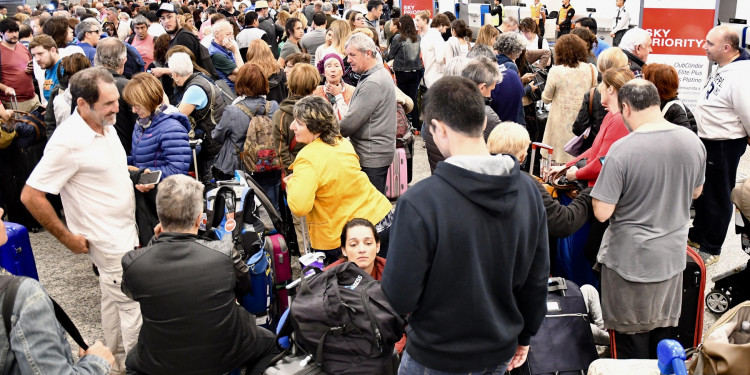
{"type": "Point", "coordinates": [408, 83]}
{"type": "Point", "coordinates": [638, 345]}
{"type": "Point", "coordinates": [618, 37]}
{"type": "Point", "coordinates": [377, 176]}
{"type": "Point", "coordinates": [713, 209]}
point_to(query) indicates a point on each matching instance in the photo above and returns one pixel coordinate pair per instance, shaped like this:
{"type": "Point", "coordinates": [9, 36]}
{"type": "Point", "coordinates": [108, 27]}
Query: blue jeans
{"type": "Point", "coordinates": [411, 367]}
{"type": "Point", "coordinates": [377, 176]}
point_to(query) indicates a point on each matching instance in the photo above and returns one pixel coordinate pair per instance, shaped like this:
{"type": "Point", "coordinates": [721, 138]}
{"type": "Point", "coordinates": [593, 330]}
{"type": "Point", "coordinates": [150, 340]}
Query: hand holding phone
{"type": "Point", "coordinates": [149, 178]}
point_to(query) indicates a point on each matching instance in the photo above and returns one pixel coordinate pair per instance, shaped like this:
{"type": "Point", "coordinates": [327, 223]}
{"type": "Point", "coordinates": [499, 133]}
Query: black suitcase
{"type": "Point", "coordinates": [564, 344]}
{"type": "Point", "coordinates": [290, 365]}
{"type": "Point", "coordinates": [690, 326]}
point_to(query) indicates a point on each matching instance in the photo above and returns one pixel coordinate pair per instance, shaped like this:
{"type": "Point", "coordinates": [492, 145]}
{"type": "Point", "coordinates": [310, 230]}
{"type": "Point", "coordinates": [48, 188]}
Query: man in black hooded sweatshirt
{"type": "Point", "coordinates": [468, 256]}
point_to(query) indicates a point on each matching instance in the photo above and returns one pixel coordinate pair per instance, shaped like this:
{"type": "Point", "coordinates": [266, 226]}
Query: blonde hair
{"type": "Point", "coordinates": [486, 34]}
{"type": "Point", "coordinates": [303, 79]}
{"type": "Point", "coordinates": [341, 31]}
{"type": "Point", "coordinates": [617, 77]}
{"type": "Point", "coordinates": [363, 30]}
{"type": "Point", "coordinates": [282, 17]}
{"type": "Point", "coordinates": [509, 138]}
{"type": "Point", "coordinates": [259, 53]}
{"type": "Point", "coordinates": [144, 90]}
{"type": "Point", "coordinates": [300, 16]}
{"type": "Point", "coordinates": [611, 58]}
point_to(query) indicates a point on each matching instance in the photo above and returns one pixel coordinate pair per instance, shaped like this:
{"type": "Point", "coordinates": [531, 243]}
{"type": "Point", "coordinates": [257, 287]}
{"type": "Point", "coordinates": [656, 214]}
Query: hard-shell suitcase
{"type": "Point", "coordinates": [564, 344]}
{"type": "Point", "coordinates": [396, 180]}
{"type": "Point", "coordinates": [690, 325]}
{"type": "Point", "coordinates": [16, 255]}
{"type": "Point", "coordinates": [282, 270]}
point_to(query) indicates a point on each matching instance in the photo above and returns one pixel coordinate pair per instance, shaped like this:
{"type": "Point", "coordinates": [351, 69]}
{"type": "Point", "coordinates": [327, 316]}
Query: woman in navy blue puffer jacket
{"type": "Point", "coordinates": [160, 137]}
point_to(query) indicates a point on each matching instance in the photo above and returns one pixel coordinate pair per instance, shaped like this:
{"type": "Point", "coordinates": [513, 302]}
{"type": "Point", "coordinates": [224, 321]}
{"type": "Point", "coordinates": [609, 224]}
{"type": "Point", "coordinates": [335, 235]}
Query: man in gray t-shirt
{"type": "Point", "coordinates": [645, 188]}
{"type": "Point", "coordinates": [315, 38]}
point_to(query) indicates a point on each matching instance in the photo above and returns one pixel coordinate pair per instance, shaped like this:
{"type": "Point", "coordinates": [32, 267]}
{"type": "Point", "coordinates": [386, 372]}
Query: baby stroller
{"type": "Point", "coordinates": [730, 289]}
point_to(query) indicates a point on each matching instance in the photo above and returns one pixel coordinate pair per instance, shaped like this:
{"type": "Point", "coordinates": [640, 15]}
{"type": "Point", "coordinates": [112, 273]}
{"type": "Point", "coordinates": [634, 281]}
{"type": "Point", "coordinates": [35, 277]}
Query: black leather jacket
{"type": "Point", "coordinates": [186, 288]}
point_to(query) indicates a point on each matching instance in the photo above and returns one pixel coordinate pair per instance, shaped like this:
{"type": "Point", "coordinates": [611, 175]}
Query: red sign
{"type": "Point", "coordinates": [678, 31]}
{"type": "Point", "coordinates": [413, 7]}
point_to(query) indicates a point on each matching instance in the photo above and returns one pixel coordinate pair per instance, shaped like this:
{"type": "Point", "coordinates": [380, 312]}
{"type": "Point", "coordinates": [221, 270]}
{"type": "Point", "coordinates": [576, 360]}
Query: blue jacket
{"type": "Point", "coordinates": [163, 146]}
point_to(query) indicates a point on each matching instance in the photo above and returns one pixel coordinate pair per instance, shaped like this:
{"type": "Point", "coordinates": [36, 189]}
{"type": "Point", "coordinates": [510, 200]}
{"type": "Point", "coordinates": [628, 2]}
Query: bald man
{"type": "Point", "coordinates": [723, 117]}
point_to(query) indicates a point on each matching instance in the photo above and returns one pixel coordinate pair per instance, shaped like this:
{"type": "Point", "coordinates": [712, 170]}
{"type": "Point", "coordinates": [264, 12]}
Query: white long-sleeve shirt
{"type": "Point", "coordinates": [722, 112]}
{"type": "Point", "coordinates": [432, 46]}
{"type": "Point", "coordinates": [621, 20]}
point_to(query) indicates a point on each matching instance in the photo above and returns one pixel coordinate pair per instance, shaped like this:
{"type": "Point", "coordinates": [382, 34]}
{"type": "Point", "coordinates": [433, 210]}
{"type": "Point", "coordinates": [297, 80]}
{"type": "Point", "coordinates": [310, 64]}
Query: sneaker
{"type": "Point", "coordinates": [694, 245]}
{"type": "Point", "coordinates": [708, 259]}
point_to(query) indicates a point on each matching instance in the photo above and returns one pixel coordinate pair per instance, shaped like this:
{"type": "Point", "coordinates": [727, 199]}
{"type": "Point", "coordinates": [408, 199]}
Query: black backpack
{"type": "Point", "coordinates": [343, 319]}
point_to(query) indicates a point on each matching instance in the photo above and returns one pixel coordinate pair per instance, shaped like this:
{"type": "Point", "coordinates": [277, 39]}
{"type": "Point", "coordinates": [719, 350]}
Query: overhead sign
{"type": "Point", "coordinates": [413, 7]}
{"type": "Point", "coordinates": [678, 31]}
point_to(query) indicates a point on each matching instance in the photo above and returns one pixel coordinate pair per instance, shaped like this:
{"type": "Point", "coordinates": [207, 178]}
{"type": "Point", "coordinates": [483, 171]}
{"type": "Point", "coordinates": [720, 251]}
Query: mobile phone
{"type": "Point", "coordinates": [149, 178]}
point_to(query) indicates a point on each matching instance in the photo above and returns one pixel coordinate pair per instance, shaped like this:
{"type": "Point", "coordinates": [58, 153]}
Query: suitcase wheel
{"type": "Point", "coordinates": [718, 301]}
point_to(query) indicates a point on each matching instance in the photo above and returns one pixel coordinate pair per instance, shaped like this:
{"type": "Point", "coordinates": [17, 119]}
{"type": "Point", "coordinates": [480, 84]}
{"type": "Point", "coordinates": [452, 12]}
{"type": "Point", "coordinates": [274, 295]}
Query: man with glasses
{"type": "Point", "coordinates": [88, 33]}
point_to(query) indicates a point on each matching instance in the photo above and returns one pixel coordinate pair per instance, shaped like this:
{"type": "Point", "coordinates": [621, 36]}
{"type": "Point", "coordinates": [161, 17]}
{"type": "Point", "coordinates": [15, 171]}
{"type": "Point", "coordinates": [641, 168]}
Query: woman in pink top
{"type": "Point", "coordinates": [611, 130]}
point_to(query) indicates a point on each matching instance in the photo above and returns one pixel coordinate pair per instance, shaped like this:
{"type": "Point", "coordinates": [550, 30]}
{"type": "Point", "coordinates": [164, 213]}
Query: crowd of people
{"type": "Point", "coordinates": [308, 97]}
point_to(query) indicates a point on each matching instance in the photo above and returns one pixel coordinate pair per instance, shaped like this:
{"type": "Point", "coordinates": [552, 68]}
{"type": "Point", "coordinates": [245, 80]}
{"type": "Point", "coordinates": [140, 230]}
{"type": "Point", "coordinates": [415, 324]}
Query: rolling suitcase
{"type": "Point", "coordinates": [396, 180]}
{"type": "Point", "coordinates": [282, 270]}
{"type": "Point", "coordinates": [690, 325]}
{"type": "Point", "coordinates": [564, 344]}
{"type": "Point", "coordinates": [16, 255]}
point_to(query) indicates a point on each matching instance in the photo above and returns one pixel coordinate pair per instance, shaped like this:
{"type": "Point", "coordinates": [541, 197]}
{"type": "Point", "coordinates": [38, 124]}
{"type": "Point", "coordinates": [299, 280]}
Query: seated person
{"type": "Point", "coordinates": [37, 340]}
{"type": "Point", "coordinates": [562, 221]}
{"type": "Point", "coordinates": [191, 322]}
{"type": "Point", "coordinates": [360, 243]}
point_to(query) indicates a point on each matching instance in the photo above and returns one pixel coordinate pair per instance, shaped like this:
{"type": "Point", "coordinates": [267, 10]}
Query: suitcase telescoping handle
{"type": "Point", "coordinates": [557, 284]}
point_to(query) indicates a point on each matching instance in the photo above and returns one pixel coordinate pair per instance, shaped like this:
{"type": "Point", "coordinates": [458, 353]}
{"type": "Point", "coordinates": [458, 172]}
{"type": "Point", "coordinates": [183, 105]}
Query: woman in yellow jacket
{"type": "Point", "coordinates": [327, 184]}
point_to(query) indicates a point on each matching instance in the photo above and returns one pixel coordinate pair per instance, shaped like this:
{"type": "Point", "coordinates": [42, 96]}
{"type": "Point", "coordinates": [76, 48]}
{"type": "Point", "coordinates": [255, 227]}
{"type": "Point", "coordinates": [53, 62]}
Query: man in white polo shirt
{"type": "Point", "coordinates": [85, 163]}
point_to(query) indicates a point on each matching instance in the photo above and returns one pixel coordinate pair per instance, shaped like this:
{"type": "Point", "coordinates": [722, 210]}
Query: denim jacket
{"type": "Point", "coordinates": [38, 341]}
{"type": "Point", "coordinates": [405, 54]}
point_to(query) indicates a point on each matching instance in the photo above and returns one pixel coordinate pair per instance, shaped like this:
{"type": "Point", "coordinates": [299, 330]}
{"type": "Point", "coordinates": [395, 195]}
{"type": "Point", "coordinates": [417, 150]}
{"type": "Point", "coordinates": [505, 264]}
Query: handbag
{"type": "Point", "coordinates": [575, 144]}
{"type": "Point", "coordinates": [726, 346]}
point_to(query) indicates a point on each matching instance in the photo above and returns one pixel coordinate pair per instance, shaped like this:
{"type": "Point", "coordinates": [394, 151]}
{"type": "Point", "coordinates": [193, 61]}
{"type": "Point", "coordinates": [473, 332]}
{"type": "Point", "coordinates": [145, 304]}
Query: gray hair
{"type": "Point", "coordinates": [179, 202]}
{"type": "Point", "coordinates": [110, 53]}
{"type": "Point", "coordinates": [85, 26]}
{"type": "Point", "coordinates": [327, 7]}
{"type": "Point", "coordinates": [481, 50]}
{"type": "Point", "coordinates": [80, 11]}
{"type": "Point", "coordinates": [362, 43]}
{"type": "Point", "coordinates": [455, 65]}
{"type": "Point", "coordinates": [508, 44]}
{"type": "Point", "coordinates": [634, 38]}
{"type": "Point", "coordinates": [181, 64]}
{"type": "Point", "coordinates": [140, 20]}
{"type": "Point", "coordinates": [482, 70]}
{"type": "Point", "coordinates": [639, 94]}
{"type": "Point", "coordinates": [219, 26]}
{"type": "Point", "coordinates": [510, 21]}
{"type": "Point", "coordinates": [85, 84]}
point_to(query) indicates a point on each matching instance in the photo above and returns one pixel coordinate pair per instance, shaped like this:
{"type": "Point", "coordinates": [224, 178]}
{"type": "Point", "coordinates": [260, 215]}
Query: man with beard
{"type": "Point", "coordinates": [85, 163]}
{"type": "Point", "coordinates": [44, 50]}
{"type": "Point", "coordinates": [15, 68]}
{"type": "Point", "coordinates": [182, 37]}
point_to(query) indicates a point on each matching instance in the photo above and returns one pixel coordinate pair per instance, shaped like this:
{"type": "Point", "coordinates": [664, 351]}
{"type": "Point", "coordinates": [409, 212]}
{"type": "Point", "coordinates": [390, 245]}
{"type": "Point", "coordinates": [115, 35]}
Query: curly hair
{"type": "Point", "coordinates": [570, 50]}
{"type": "Point", "coordinates": [318, 116]}
{"type": "Point", "coordinates": [509, 44]}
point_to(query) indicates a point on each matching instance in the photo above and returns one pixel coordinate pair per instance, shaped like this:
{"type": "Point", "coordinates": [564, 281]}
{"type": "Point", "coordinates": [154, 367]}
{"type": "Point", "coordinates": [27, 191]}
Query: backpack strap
{"type": "Point", "coordinates": [670, 104]}
{"type": "Point", "coordinates": [12, 283]}
{"type": "Point", "coordinates": [591, 101]}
